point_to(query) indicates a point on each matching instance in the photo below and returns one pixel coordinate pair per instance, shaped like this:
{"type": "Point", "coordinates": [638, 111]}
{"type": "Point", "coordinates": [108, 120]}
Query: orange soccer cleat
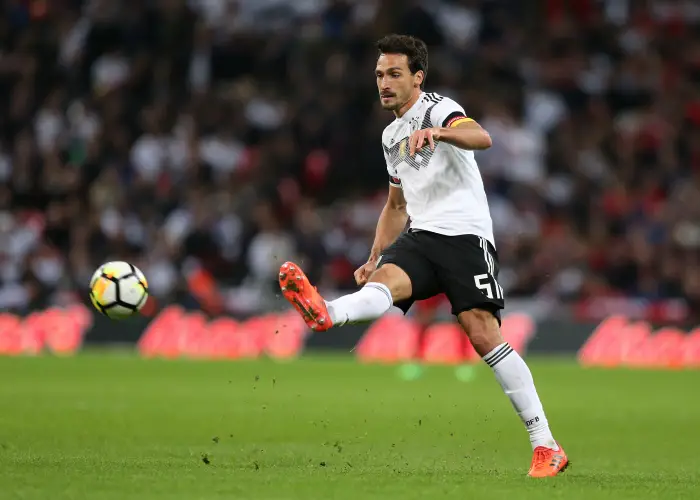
{"type": "Point", "coordinates": [547, 462]}
{"type": "Point", "coordinates": [297, 289]}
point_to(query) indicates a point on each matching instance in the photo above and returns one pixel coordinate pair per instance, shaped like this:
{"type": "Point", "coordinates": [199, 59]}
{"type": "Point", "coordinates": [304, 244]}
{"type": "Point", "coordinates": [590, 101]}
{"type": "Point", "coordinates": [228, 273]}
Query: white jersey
{"type": "Point", "coordinates": [443, 188]}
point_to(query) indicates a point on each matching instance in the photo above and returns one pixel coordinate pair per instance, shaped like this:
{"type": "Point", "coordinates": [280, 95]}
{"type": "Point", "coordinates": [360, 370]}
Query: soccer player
{"type": "Point", "coordinates": [449, 247]}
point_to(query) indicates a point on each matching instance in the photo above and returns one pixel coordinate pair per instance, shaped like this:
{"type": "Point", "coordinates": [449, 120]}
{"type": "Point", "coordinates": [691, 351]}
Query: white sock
{"type": "Point", "coordinates": [368, 303]}
{"type": "Point", "coordinates": [516, 380]}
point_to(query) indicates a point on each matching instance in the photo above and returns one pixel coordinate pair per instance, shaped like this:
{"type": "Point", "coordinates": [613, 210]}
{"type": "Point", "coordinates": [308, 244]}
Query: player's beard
{"type": "Point", "coordinates": [388, 102]}
{"type": "Point", "coordinates": [392, 103]}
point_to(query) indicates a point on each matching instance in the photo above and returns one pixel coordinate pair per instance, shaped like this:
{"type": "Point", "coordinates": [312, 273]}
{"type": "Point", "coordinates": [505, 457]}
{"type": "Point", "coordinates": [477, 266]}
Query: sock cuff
{"type": "Point", "coordinates": [498, 354]}
{"type": "Point", "coordinates": [382, 288]}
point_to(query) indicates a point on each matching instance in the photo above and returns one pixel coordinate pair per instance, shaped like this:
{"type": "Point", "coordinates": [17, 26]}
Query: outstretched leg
{"type": "Point", "coordinates": [387, 285]}
{"type": "Point", "coordinates": [515, 378]}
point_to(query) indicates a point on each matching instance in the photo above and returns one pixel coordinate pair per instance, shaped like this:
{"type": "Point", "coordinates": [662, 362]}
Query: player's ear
{"type": "Point", "coordinates": [418, 78]}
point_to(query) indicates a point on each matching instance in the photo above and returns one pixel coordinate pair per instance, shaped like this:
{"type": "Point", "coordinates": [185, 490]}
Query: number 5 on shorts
{"type": "Point", "coordinates": [481, 281]}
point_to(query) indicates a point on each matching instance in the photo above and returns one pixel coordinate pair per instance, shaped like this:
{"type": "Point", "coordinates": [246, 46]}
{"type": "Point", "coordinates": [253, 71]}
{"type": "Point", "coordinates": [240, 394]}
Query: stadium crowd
{"type": "Point", "coordinates": [231, 136]}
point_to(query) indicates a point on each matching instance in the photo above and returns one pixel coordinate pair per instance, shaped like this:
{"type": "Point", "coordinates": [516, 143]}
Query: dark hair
{"type": "Point", "coordinates": [415, 50]}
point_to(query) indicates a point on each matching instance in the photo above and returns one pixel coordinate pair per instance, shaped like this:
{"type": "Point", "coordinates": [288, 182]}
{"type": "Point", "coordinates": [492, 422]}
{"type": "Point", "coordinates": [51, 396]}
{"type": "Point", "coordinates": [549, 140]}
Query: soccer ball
{"type": "Point", "coordinates": [118, 289]}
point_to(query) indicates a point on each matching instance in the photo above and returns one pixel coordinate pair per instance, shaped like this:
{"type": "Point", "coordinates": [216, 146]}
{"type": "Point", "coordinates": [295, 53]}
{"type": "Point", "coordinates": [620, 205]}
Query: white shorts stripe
{"type": "Point", "coordinates": [487, 255]}
{"type": "Point", "coordinates": [481, 244]}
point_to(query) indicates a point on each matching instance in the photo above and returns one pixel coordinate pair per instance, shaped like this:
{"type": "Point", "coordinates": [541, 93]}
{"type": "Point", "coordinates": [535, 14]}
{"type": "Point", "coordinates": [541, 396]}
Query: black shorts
{"type": "Point", "coordinates": [464, 267]}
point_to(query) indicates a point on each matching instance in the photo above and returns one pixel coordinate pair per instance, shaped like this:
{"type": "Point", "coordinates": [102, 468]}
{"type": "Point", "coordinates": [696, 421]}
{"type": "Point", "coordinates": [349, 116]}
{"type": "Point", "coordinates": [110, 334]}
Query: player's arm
{"type": "Point", "coordinates": [392, 222]}
{"type": "Point", "coordinates": [464, 133]}
{"type": "Point", "coordinates": [451, 125]}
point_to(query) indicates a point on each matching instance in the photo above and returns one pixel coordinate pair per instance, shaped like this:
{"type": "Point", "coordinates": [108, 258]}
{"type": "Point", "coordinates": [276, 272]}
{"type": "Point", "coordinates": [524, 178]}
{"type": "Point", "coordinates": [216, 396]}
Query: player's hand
{"type": "Point", "coordinates": [364, 272]}
{"type": "Point", "coordinates": [423, 137]}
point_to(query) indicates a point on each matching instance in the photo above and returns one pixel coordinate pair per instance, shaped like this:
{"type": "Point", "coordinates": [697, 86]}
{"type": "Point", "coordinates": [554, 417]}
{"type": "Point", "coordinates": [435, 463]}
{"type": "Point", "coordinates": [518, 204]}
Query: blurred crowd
{"type": "Point", "coordinates": [231, 135]}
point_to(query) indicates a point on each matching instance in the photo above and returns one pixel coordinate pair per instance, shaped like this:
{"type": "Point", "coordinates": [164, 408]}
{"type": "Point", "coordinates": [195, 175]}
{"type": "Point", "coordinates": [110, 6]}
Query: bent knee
{"type": "Point", "coordinates": [481, 326]}
{"type": "Point", "coordinates": [395, 279]}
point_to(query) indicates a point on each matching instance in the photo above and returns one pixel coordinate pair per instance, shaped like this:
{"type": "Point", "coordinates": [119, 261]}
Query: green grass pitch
{"type": "Point", "coordinates": [108, 426]}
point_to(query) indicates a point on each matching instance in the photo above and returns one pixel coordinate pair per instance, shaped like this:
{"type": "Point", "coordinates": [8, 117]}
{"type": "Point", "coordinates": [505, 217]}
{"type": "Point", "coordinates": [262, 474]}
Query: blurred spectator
{"type": "Point", "coordinates": [233, 135]}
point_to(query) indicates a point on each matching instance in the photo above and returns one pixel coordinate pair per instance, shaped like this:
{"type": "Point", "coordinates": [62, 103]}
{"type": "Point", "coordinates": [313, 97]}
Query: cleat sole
{"type": "Point", "coordinates": [292, 283]}
{"type": "Point", "coordinates": [560, 471]}
{"type": "Point", "coordinates": [566, 466]}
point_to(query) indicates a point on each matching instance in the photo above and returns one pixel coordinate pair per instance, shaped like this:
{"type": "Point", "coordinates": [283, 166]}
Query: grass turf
{"type": "Point", "coordinates": [115, 427]}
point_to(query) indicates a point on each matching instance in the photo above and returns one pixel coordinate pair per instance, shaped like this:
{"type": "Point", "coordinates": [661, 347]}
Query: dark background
{"type": "Point", "coordinates": [222, 138]}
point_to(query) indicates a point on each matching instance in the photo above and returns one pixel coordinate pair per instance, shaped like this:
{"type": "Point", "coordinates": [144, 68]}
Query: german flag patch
{"type": "Point", "coordinates": [456, 118]}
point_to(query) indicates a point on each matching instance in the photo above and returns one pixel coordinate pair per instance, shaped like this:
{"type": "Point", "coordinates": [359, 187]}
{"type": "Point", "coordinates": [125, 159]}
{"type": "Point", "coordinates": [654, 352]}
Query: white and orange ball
{"type": "Point", "coordinates": [118, 289]}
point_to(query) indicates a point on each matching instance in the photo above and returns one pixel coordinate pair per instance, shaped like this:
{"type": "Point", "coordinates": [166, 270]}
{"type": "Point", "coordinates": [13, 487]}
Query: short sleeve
{"type": "Point", "coordinates": [447, 113]}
